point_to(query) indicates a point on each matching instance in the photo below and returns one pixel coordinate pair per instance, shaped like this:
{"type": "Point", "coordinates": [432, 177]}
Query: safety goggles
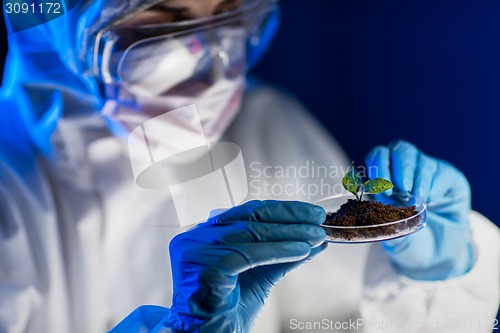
{"type": "Point", "coordinates": [212, 44]}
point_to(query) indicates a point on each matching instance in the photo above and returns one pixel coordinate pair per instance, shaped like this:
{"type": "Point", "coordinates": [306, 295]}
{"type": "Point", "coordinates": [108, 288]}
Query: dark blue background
{"type": "Point", "coordinates": [374, 71]}
{"type": "Point", "coordinates": [424, 71]}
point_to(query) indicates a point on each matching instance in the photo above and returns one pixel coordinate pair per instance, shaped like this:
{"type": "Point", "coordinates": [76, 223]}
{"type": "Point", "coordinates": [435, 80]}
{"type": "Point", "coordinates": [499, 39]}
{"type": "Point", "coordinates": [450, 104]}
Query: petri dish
{"type": "Point", "coordinates": [379, 232]}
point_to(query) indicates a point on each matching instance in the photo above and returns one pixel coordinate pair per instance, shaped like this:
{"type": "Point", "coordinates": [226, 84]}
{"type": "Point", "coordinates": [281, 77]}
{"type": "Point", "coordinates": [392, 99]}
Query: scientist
{"type": "Point", "coordinates": [84, 249]}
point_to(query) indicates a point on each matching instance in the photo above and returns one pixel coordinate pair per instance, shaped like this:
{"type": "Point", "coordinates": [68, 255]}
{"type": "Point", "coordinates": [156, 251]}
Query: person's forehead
{"type": "Point", "coordinates": [179, 3]}
{"type": "Point", "coordinates": [196, 7]}
{"type": "Point", "coordinates": [164, 10]}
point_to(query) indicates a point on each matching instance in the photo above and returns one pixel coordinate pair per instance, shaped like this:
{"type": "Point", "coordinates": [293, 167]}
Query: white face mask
{"type": "Point", "coordinates": [217, 106]}
{"type": "Point", "coordinates": [166, 75]}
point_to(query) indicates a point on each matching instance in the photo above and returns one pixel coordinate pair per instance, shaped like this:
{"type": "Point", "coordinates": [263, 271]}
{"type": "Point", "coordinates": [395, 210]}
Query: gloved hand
{"type": "Point", "coordinates": [224, 269]}
{"type": "Point", "coordinates": [443, 249]}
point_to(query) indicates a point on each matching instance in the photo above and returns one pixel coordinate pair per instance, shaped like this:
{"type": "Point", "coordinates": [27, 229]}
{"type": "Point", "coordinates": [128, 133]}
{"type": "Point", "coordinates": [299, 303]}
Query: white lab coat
{"type": "Point", "coordinates": [82, 246]}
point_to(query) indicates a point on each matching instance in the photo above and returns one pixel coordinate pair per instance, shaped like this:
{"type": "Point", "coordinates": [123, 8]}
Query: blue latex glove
{"type": "Point", "coordinates": [443, 249]}
{"type": "Point", "coordinates": [223, 270]}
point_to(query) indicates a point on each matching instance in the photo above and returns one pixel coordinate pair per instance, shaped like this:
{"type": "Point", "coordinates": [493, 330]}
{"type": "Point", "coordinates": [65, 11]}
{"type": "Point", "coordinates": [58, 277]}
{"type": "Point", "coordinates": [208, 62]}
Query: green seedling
{"type": "Point", "coordinates": [352, 182]}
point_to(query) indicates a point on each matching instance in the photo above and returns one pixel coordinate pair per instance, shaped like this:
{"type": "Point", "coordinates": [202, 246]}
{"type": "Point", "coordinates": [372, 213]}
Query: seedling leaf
{"type": "Point", "coordinates": [377, 185]}
{"type": "Point", "coordinates": [352, 181]}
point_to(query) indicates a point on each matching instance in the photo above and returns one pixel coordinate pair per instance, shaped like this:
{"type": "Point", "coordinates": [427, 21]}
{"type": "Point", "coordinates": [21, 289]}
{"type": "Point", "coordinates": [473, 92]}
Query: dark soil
{"type": "Point", "coordinates": [368, 213]}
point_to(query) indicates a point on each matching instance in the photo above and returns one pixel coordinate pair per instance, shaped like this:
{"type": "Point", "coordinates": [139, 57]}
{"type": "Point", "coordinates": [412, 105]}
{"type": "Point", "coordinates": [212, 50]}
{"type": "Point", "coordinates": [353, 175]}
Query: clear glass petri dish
{"type": "Point", "coordinates": [379, 232]}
